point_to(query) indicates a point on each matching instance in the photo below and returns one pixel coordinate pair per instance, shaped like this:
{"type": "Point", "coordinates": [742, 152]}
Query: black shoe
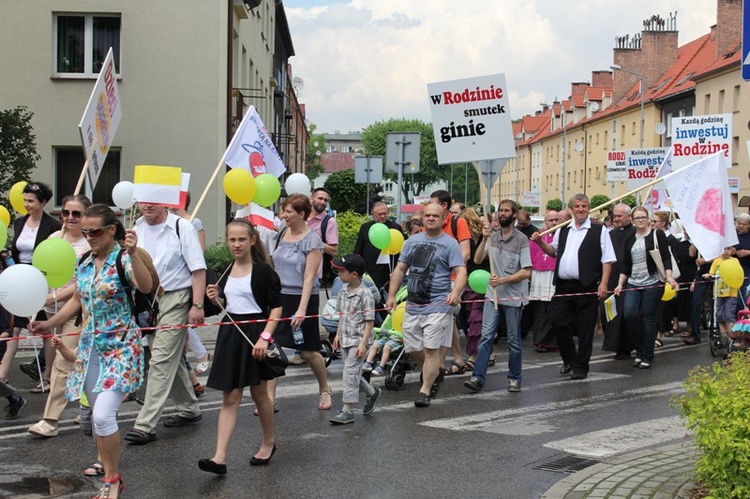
{"type": "Point", "coordinates": [566, 369]}
{"type": "Point", "coordinates": [212, 467]}
{"type": "Point", "coordinates": [15, 404]}
{"type": "Point", "coordinates": [422, 400]}
{"type": "Point", "coordinates": [622, 356]}
{"type": "Point", "coordinates": [139, 437]}
{"type": "Point", "coordinates": [30, 369]}
{"type": "Point", "coordinates": [256, 461]}
{"type": "Point", "coordinates": [473, 384]}
{"type": "Point", "coordinates": [178, 421]}
{"type": "Point", "coordinates": [576, 376]}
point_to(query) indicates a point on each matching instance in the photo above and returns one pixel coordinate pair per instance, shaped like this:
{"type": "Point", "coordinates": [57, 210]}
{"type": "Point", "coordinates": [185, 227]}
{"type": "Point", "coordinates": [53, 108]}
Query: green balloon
{"type": "Point", "coordinates": [380, 235]}
{"type": "Point", "coordinates": [56, 259]}
{"type": "Point", "coordinates": [3, 234]}
{"type": "Point", "coordinates": [479, 280]}
{"type": "Point", "coordinates": [267, 190]}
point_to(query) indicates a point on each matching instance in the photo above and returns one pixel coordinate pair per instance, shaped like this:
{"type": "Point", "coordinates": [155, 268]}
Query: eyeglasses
{"type": "Point", "coordinates": [640, 218]}
{"type": "Point", "coordinates": [33, 187]}
{"type": "Point", "coordinates": [94, 233]}
{"type": "Point", "coordinates": [73, 213]}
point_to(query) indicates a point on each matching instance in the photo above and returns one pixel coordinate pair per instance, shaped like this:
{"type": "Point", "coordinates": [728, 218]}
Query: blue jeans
{"type": "Point", "coordinates": [643, 331]}
{"type": "Point", "coordinates": [490, 318]}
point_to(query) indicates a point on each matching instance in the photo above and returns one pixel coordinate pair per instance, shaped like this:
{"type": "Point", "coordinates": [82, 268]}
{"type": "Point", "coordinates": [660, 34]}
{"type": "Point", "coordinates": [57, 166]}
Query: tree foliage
{"type": "Point", "coordinates": [346, 194]}
{"type": "Point", "coordinates": [598, 200]}
{"type": "Point", "coordinates": [18, 154]}
{"type": "Point", "coordinates": [315, 148]}
{"type": "Point", "coordinates": [554, 204]}
{"type": "Point", "coordinates": [374, 140]}
{"type": "Point", "coordinates": [461, 172]}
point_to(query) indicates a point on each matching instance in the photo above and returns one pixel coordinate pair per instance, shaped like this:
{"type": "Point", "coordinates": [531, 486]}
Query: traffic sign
{"type": "Point", "coordinates": [411, 149]}
{"type": "Point", "coordinates": [745, 41]}
{"type": "Point", "coordinates": [364, 163]}
{"type": "Point", "coordinates": [490, 170]}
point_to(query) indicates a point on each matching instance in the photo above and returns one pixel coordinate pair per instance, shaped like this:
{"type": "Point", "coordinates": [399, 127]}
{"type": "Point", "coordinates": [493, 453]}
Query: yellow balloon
{"type": "Point", "coordinates": [5, 216]}
{"type": "Point", "coordinates": [397, 317]}
{"type": "Point", "coordinates": [731, 273]}
{"type": "Point", "coordinates": [669, 293]}
{"type": "Point", "coordinates": [16, 196]}
{"type": "Point", "coordinates": [239, 185]}
{"type": "Point", "coordinates": [397, 242]}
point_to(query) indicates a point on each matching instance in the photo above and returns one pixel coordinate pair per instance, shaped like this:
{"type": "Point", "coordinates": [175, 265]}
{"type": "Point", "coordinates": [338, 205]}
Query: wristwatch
{"type": "Point", "coordinates": [265, 335]}
{"type": "Point", "coordinates": [197, 305]}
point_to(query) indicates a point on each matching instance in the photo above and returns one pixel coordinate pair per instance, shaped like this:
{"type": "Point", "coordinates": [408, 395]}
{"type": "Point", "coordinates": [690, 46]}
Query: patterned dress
{"type": "Point", "coordinates": [105, 308]}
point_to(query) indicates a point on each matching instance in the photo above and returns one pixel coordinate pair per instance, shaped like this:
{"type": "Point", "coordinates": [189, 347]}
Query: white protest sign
{"type": "Point", "coordinates": [616, 171]}
{"type": "Point", "coordinates": [694, 137]}
{"type": "Point", "coordinates": [101, 118]}
{"type": "Point", "coordinates": [642, 165]}
{"type": "Point", "coordinates": [531, 198]}
{"type": "Point", "coordinates": [471, 119]}
{"type": "Point", "coordinates": [734, 185]}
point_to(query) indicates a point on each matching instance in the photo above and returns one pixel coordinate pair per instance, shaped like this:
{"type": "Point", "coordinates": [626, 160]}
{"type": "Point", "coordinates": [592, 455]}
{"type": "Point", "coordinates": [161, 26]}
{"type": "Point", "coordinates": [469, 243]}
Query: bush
{"type": "Point", "coordinates": [218, 257]}
{"type": "Point", "coordinates": [554, 204]}
{"type": "Point", "coordinates": [349, 223]}
{"type": "Point", "coordinates": [716, 406]}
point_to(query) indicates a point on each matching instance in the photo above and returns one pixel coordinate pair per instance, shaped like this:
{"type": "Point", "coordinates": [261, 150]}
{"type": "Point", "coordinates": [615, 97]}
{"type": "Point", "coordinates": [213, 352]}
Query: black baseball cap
{"type": "Point", "coordinates": [352, 263]}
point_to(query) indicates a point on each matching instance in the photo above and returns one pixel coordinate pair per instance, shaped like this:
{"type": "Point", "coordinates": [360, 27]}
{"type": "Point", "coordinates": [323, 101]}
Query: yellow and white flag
{"type": "Point", "coordinates": [610, 308]}
{"type": "Point", "coordinates": [157, 184]}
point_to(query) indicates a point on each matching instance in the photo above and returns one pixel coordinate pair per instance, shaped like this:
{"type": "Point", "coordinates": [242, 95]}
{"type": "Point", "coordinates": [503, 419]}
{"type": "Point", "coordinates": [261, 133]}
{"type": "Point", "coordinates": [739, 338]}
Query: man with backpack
{"type": "Point", "coordinates": [176, 251]}
{"type": "Point", "coordinates": [326, 227]}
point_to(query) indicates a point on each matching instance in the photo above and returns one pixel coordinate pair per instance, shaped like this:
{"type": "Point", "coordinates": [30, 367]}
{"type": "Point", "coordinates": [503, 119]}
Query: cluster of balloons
{"type": "Point", "coordinates": [23, 288]}
{"type": "Point", "coordinates": [241, 187]}
{"type": "Point", "coordinates": [390, 241]}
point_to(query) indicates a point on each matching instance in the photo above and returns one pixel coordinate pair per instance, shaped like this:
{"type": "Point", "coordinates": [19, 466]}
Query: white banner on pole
{"type": "Point", "coordinates": [101, 118]}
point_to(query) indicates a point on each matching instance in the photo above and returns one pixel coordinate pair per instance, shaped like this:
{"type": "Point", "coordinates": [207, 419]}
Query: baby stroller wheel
{"type": "Point", "coordinates": [398, 382]}
{"type": "Point", "coordinates": [715, 346]}
{"type": "Point", "coordinates": [326, 350]}
{"type": "Point", "coordinates": [389, 383]}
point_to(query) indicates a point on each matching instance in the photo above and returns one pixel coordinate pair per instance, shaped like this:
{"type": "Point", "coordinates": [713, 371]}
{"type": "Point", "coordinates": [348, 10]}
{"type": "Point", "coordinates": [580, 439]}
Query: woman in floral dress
{"type": "Point", "coordinates": [109, 358]}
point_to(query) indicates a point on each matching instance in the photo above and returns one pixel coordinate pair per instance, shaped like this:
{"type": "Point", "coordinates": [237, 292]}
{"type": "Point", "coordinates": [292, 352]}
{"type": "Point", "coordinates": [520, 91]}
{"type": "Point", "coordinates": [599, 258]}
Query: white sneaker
{"type": "Point", "coordinates": [43, 429]}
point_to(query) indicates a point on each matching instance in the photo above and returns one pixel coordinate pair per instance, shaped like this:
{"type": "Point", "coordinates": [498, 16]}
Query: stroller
{"type": "Point", "coordinates": [739, 336]}
{"type": "Point", "coordinates": [329, 319]}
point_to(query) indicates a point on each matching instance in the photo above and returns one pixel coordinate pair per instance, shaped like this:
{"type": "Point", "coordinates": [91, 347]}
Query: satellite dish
{"type": "Point", "coordinates": [579, 146]}
{"type": "Point", "coordinates": [298, 83]}
{"type": "Point", "coordinates": [594, 107]}
{"type": "Point", "coordinates": [660, 128]}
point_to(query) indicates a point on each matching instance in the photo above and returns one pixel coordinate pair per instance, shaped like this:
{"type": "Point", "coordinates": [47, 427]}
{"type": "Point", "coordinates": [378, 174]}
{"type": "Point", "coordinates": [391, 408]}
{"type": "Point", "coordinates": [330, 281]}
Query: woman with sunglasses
{"type": "Point", "coordinates": [108, 362]}
{"type": "Point", "coordinates": [57, 372]}
{"type": "Point", "coordinates": [643, 291]}
{"type": "Point", "coordinates": [28, 232]}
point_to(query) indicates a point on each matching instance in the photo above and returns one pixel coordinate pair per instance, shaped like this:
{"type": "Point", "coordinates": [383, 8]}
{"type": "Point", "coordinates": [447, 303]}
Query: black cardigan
{"type": "Point", "coordinates": [661, 238]}
{"type": "Point", "coordinates": [47, 226]}
{"type": "Point", "coordinates": [265, 284]}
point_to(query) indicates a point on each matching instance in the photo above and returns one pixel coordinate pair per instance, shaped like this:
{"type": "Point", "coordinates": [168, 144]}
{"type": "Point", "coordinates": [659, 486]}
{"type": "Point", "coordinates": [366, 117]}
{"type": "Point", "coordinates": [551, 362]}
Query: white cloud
{"type": "Point", "coordinates": [365, 61]}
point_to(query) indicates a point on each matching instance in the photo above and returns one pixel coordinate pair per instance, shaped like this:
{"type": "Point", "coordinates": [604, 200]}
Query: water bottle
{"type": "Point", "coordinates": [299, 338]}
{"type": "Point", "coordinates": [8, 258]}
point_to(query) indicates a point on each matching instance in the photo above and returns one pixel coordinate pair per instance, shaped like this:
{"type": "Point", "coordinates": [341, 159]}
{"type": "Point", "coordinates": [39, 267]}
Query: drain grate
{"type": "Point", "coordinates": [567, 465]}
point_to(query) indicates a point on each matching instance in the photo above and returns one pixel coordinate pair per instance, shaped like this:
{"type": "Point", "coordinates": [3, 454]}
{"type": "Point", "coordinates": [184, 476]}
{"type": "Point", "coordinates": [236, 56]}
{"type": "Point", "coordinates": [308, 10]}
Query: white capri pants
{"type": "Point", "coordinates": [104, 405]}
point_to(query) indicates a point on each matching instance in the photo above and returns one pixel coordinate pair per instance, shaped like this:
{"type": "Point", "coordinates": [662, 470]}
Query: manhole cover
{"type": "Point", "coordinates": [567, 464]}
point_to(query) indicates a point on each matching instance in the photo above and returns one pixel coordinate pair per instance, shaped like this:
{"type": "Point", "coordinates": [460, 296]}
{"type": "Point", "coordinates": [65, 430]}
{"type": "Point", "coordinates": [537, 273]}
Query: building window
{"type": "Point", "coordinates": [736, 99]}
{"type": "Point", "coordinates": [68, 164]}
{"type": "Point", "coordinates": [706, 103]}
{"type": "Point", "coordinates": [721, 101]}
{"type": "Point", "coordinates": [82, 43]}
{"type": "Point", "coordinates": [606, 138]}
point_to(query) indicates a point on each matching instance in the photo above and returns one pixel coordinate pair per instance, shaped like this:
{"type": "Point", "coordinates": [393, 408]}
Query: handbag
{"type": "Point", "coordinates": [276, 361]}
{"type": "Point", "coordinates": [656, 257]}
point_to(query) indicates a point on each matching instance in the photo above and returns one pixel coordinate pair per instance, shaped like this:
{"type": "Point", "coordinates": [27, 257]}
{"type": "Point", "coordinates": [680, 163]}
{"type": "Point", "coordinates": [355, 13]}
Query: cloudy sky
{"type": "Point", "coordinates": [364, 61]}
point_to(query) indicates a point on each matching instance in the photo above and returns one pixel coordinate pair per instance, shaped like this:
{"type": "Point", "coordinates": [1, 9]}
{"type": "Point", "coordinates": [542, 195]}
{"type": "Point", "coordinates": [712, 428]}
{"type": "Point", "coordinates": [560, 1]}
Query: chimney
{"type": "Point", "coordinates": [728, 26]}
{"type": "Point", "coordinates": [579, 87]}
{"type": "Point", "coordinates": [651, 53]}
{"type": "Point", "coordinates": [601, 79]}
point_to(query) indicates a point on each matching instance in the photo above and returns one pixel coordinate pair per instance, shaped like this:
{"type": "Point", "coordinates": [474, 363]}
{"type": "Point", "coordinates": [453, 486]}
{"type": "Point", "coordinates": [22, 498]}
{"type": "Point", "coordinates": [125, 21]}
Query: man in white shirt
{"type": "Point", "coordinates": [179, 262]}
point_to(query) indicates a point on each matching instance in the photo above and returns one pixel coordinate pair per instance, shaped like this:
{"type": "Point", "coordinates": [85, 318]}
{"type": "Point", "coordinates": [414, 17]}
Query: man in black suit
{"type": "Point", "coordinates": [378, 265]}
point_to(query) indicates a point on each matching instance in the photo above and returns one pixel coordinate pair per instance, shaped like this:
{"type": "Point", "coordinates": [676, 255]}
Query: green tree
{"type": "Point", "coordinates": [374, 140]}
{"type": "Point", "coordinates": [460, 175]}
{"type": "Point", "coordinates": [629, 200]}
{"type": "Point", "coordinates": [345, 193]}
{"type": "Point", "coordinates": [554, 204]}
{"type": "Point", "coordinates": [315, 148]}
{"type": "Point", "coordinates": [18, 154]}
{"type": "Point", "coordinates": [600, 199]}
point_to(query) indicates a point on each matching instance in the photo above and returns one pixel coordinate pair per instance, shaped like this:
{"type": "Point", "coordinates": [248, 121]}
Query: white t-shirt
{"type": "Point", "coordinates": [25, 243]}
{"type": "Point", "coordinates": [239, 294]}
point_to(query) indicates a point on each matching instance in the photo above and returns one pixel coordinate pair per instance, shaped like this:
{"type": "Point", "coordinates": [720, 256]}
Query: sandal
{"type": "Point", "coordinates": [275, 410]}
{"type": "Point", "coordinates": [322, 404]}
{"type": "Point", "coordinates": [455, 369]}
{"type": "Point", "coordinates": [686, 334]}
{"type": "Point", "coordinates": [658, 342]}
{"type": "Point", "coordinates": [469, 366]}
{"type": "Point", "coordinates": [95, 469]}
{"type": "Point", "coordinates": [491, 362]}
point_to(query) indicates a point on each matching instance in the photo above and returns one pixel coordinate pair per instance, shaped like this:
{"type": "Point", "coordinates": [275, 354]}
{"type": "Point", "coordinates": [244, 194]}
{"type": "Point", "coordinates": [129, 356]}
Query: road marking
{"type": "Point", "coordinates": [621, 439]}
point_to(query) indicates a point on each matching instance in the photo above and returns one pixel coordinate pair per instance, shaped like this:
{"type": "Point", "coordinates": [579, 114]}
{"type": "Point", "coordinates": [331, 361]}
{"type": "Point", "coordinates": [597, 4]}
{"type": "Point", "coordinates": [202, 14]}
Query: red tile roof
{"type": "Point", "coordinates": [336, 161]}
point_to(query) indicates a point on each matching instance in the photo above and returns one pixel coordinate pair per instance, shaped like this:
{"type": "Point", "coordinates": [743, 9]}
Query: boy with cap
{"type": "Point", "coordinates": [356, 307]}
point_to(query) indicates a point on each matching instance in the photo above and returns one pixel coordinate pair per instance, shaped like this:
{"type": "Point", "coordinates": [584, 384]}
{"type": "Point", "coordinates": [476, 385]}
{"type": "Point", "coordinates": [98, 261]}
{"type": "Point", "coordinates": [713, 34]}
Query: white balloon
{"type": "Point", "coordinates": [23, 290]}
{"type": "Point", "coordinates": [297, 183]}
{"type": "Point", "coordinates": [122, 195]}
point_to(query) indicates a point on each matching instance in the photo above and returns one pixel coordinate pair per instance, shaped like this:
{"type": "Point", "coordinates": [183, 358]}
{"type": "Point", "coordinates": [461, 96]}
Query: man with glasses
{"type": "Point", "coordinates": [584, 262]}
{"type": "Point", "coordinates": [176, 252]}
{"type": "Point", "coordinates": [616, 335]}
{"type": "Point", "coordinates": [378, 264]}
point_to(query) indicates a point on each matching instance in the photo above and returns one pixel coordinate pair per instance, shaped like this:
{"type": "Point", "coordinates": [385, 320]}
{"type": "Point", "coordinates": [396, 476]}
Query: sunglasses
{"type": "Point", "coordinates": [73, 213]}
{"type": "Point", "coordinates": [94, 233]}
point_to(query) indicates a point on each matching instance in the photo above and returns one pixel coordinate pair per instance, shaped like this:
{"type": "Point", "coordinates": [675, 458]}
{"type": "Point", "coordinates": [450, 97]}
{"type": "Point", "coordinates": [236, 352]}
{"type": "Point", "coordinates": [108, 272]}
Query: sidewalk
{"type": "Point", "coordinates": [661, 473]}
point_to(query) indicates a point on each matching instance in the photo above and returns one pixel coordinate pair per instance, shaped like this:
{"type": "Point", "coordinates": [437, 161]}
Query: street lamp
{"type": "Point", "coordinates": [617, 67]}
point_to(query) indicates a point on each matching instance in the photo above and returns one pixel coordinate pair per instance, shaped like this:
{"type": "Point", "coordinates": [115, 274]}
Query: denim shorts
{"type": "Point", "coordinates": [395, 345]}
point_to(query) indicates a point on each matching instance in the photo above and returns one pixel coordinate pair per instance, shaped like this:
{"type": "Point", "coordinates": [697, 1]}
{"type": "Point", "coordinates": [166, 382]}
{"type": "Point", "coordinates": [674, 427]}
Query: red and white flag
{"type": "Point", "coordinates": [256, 215]}
{"type": "Point", "coordinates": [184, 189]}
{"type": "Point", "coordinates": [252, 149]}
{"type": "Point", "coordinates": [700, 195]}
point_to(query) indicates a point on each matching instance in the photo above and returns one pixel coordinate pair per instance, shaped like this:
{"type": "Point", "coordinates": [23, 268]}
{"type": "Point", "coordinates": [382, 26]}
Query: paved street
{"type": "Point", "coordinates": [492, 444]}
